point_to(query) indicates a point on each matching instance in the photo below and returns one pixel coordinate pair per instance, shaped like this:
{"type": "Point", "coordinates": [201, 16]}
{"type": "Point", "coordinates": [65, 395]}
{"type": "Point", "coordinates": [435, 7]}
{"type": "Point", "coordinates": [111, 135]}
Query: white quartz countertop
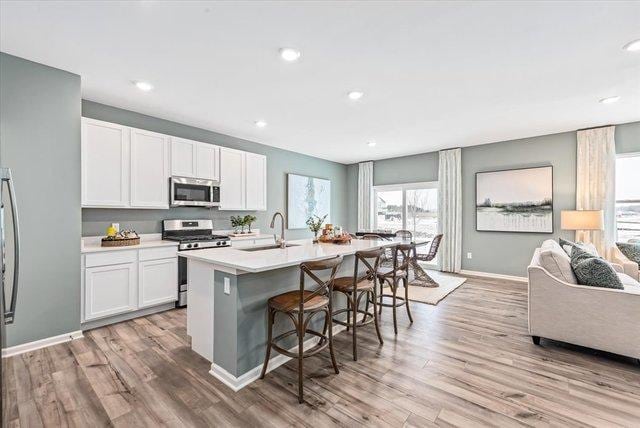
{"type": "Point", "coordinates": [91, 244]}
{"type": "Point", "coordinates": [303, 250]}
{"type": "Point", "coordinates": [250, 237]}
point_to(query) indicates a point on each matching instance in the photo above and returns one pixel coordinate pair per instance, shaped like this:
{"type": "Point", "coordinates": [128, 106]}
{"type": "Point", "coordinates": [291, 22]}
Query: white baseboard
{"type": "Point", "coordinates": [494, 275]}
{"type": "Point", "coordinates": [237, 383]}
{"type": "Point", "coordinates": [42, 343]}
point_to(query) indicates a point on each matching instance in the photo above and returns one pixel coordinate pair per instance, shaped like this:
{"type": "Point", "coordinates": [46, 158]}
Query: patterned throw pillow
{"type": "Point", "coordinates": [593, 271]}
{"type": "Point", "coordinates": [630, 250]}
{"type": "Point", "coordinates": [568, 245]}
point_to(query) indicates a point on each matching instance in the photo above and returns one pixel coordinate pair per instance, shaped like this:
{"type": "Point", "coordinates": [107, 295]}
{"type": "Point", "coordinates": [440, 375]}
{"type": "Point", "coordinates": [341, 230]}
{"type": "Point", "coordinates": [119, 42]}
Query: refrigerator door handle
{"type": "Point", "coordinates": [5, 175]}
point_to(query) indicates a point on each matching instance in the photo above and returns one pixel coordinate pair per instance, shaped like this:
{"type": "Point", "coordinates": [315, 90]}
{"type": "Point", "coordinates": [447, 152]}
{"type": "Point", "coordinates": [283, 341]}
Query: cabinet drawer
{"type": "Point", "coordinates": [110, 258]}
{"type": "Point", "coordinates": [158, 253]}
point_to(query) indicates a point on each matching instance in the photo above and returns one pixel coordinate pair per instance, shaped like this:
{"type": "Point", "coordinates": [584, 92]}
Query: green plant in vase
{"type": "Point", "coordinates": [248, 220]}
{"type": "Point", "coordinates": [315, 225]}
{"type": "Point", "coordinates": [236, 223]}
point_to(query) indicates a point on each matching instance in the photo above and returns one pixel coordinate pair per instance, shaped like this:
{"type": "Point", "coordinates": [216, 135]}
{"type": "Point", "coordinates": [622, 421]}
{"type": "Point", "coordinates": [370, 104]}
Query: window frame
{"type": "Point", "coordinates": [623, 201]}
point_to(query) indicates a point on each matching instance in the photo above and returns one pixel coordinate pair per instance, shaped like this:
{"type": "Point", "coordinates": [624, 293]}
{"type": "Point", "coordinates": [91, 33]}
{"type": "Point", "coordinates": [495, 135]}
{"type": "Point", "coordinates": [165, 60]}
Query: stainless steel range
{"type": "Point", "coordinates": [192, 235]}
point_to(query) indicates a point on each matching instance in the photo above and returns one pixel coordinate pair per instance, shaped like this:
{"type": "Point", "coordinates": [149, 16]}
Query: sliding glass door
{"type": "Point", "coordinates": [411, 207]}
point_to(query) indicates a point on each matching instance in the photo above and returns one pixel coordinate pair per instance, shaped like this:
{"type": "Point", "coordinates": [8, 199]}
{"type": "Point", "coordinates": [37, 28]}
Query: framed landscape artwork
{"type": "Point", "coordinates": [515, 200]}
{"type": "Point", "coordinates": [307, 196]}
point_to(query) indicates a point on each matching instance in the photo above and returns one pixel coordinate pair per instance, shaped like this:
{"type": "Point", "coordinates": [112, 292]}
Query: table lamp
{"type": "Point", "coordinates": [581, 220]}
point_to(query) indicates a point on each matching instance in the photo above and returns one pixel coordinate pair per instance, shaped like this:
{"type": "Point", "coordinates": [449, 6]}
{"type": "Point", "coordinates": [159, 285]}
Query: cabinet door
{"type": "Point", "coordinates": [104, 164]}
{"type": "Point", "coordinates": [232, 179]}
{"type": "Point", "coordinates": [149, 169]}
{"type": "Point", "coordinates": [256, 179]}
{"type": "Point", "coordinates": [183, 157]}
{"type": "Point", "coordinates": [208, 161]}
{"type": "Point", "coordinates": [110, 290]}
{"type": "Point", "coordinates": [158, 282]}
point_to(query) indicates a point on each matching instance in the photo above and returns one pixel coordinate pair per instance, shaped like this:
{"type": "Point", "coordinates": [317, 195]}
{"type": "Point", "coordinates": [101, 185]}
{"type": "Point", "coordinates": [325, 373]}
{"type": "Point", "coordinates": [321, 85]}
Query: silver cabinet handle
{"type": "Point", "coordinates": [5, 175]}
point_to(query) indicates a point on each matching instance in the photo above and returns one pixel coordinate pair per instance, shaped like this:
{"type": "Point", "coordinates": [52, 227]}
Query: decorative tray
{"type": "Point", "coordinates": [120, 242]}
{"type": "Point", "coordinates": [345, 239]}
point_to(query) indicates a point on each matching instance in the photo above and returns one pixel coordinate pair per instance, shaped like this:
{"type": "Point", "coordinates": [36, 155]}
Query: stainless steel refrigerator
{"type": "Point", "coordinates": [10, 248]}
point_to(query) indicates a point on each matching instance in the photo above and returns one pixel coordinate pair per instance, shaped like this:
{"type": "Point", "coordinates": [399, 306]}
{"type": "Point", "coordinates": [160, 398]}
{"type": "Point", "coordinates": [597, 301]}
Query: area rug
{"type": "Point", "coordinates": [432, 296]}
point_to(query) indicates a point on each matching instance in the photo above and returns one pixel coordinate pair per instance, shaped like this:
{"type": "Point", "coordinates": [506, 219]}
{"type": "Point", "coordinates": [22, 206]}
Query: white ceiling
{"type": "Point", "coordinates": [435, 75]}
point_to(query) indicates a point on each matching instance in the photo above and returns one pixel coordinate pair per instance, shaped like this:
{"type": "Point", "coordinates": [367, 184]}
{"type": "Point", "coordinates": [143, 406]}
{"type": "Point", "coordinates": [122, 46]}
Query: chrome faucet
{"type": "Point", "coordinates": [281, 242]}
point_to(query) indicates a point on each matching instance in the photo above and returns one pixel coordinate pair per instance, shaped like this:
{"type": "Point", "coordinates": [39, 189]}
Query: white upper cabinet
{"type": "Point", "coordinates": [256, 179]}
{"type": "Point", "coordinates": [208, 161]}
{"type": "Point", "coordinates": [232, 179]}
{"type": "Point", "coordinates": [243, 180]}
{"type": "Point", "coordinates": [125, 167]}
{"type": "Point", "coordinates": [149, 169]}
{"type": "Point", "coordinates": [105, 164]}
{"type": "Point", "coordinates": [194, 159]}
{"type": "Point", "coordinates": [183, 157]}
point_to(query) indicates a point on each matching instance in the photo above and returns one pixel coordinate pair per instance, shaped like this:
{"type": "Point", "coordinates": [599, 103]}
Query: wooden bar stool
{"type": "Point", "coordinates": [355, 288]}
{"type": "Point", "coordinates": [301, 306]}
{"type": "Point", "coordinates": [392, 276]}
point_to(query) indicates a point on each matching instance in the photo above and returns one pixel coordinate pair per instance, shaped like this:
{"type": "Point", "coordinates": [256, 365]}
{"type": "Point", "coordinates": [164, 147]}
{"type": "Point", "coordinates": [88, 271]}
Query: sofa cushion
{"type": "Point", "coordinates": [593, 271]}
{"type": "Point", "coordinates": [629, 283]}
{"type": "Point", "coordinates": [585, 246]}
{"type": "Point", "coordinates": [630, 250]}
{"type": "Point", "coordinates": [555, 261]}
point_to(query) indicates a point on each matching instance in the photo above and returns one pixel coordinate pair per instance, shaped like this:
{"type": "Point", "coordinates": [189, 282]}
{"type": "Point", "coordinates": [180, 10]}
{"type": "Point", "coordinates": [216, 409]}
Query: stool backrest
{"type": "Point", "coordinates": [402, 256]}
{"type": "Point", "coordinates": [323, 288]}
{"type": "Point", "coordinates": [371, 260]}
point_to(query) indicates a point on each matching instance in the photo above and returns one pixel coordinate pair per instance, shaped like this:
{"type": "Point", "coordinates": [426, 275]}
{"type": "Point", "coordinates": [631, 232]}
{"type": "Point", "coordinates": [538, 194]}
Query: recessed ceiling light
{"type": "Point", "coordinates": [609, 100]}
{"type": "Point", "coordinates": [143, 86]}
{"type": "Point", "coordinates": [633, 46]}
{"type": "Point", "coordinates": [260, 123]}
{"type": "Point", "coordinates": [355, 95]}
{"type": "Point", "coordinates": [371, 143]}
{"type": "Point", "coordinates": [289, 54]}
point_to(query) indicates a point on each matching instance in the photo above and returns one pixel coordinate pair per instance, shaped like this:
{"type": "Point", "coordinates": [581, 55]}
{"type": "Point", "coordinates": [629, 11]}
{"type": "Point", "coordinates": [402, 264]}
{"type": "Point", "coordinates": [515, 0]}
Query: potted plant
{"type": "Point", "coordinates": [315, 225]}
{"type": "Point", "coordinates": [236, 222]}
{"type": "Point", "coordinates": [248, 220]}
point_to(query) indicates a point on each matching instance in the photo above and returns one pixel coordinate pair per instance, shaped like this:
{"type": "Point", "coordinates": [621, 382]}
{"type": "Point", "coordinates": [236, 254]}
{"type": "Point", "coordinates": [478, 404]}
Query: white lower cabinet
{"type": "Point", "coordinates": [110, 290]}
{"type": "Point", "coordinates": [118, 282]}
{"type": "Point", "coordinates": [158, 282]}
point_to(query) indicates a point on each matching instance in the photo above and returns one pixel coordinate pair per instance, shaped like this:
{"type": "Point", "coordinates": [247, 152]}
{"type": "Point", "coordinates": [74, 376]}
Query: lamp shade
{"type": "Point", "coordinates": [582, 220]}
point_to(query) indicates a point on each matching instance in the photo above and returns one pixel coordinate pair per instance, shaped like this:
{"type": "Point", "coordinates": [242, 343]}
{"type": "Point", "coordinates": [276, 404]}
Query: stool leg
{"type": "Point", "coordinates": [395, 321]}
{"type": "Point", "coordinates": [268, 353]}
{"type": "Point", "coordinates": [348, 311]}
{"type": "Point", "coordinates": [333, 357]}
{"type": "Point", "coordinates": [299, 327]}
{"type": "Point", "coordinates": [375, 315]}
{"type": "Point", "coordinates": [406, 298]}
{"type": "Point", "coordinates": [354, 308]}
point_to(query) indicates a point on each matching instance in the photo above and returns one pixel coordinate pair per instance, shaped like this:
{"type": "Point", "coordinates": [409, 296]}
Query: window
{"type": "Point", "coordinates": [628, 197]}
{"type": "Point", "coordinates": [412, 207]}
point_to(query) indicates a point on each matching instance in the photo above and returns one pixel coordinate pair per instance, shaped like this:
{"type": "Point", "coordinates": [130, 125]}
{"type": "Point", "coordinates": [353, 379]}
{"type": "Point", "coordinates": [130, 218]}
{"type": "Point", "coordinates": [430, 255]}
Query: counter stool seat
{"type": "Point", "coordinates": [345, 284]}
{"type": "Point", "coordinates": [290, 302]}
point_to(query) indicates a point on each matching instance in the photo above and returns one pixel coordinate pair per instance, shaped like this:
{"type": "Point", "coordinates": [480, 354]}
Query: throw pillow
{"type": "Point", "coordinates": [630, 250]}
{"type": "Point", "coordinates": [593, 271]}
{"type": "Point", "coordinates": [568, 245]}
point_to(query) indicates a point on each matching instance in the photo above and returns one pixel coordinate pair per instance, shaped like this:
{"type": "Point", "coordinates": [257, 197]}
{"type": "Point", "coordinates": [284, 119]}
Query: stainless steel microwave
{"type": "Point", "coordinates": [194, 192]}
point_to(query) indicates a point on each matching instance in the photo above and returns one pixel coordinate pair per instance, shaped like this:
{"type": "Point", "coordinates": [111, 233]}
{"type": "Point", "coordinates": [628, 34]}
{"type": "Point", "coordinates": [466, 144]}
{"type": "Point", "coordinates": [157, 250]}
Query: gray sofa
{"type": "Point", "coordinates": [594, 317]}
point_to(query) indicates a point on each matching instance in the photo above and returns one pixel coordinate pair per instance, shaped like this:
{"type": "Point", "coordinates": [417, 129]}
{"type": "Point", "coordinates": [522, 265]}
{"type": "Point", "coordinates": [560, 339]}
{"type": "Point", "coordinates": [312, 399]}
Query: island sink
{"type": "Point", "coordinates": [267, 247]}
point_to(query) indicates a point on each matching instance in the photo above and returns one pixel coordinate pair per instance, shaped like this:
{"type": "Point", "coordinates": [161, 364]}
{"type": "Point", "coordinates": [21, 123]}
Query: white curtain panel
{"type": "Point", "coordinates": [365, 196]}
{"type": "Point", "coordinates": [595, 188]}
{"type": "Point", "coordinates": [450, 210]}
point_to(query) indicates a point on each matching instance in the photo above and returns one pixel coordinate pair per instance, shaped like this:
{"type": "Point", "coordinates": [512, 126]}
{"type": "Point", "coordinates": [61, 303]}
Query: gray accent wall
{"type": "Point", "coordinates": [40, 142]}
{"type": "Point", "coordinates": [279, 163]}
{"type": "Point", "coordinates": [498, 252]}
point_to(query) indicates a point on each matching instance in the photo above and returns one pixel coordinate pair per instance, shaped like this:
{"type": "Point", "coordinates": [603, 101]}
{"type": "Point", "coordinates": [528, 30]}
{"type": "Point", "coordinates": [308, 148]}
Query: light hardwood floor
{"type": "Point", "coordinates": [466, 362]}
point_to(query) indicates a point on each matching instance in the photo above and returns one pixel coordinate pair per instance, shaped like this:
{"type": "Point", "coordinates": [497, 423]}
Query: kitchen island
{"type": "Point", "coordinates": [228, 293]}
